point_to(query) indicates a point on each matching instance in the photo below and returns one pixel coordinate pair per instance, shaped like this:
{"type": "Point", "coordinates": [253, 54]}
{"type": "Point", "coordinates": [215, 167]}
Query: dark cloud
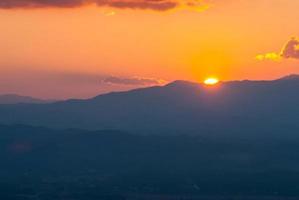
{"type": "Point", "coordinates": [134, 4]}
{"type": "Point", "coordinates": [140, 4]}
{"type": "Point", "coordinates": [291, 49]}
{"type": "Point", "coordinates": [40, 3]}
{"type": "Point", "coordinates": [159, 5]}
{"type": "Point", "coordinates": [131, 81]}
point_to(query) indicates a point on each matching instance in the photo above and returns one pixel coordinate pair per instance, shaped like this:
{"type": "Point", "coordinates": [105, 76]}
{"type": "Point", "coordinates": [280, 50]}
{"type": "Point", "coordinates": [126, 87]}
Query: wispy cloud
{"type": "Point", "coordinates": [160, 5]}
{"type": "Point", "coordinates": [64, 85]}
{"type": "Point", "coordinates": [269, 56]}
{"type": "Point", "coordinates": [100, 79]}
{"type": "Point", "coordinates": [289, 51]}
{"type": "Point", "coordinates": [110, 13]}
{"type": "Point", "coordinates": [132, 81]}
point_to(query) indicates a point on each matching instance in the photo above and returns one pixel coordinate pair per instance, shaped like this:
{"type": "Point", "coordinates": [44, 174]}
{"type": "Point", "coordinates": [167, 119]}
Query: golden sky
{"type": "Point", "coordinates": [85, 47]}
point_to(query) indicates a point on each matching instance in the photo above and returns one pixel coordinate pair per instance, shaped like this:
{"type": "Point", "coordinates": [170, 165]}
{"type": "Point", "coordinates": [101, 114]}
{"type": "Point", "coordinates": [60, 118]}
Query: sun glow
{"type": "Point", "coordinates": [211, 81]}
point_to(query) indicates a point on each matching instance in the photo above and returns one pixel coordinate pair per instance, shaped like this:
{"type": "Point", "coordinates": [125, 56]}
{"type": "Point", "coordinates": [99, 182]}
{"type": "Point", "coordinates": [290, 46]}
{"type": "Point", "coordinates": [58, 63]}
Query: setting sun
{"type": "Point", "coordinates": [211, 81]}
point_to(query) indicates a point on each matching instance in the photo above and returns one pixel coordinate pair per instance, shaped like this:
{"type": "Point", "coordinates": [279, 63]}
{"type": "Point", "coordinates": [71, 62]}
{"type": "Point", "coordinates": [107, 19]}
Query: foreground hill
{"type": "Point", "coordinates": [16, 99]}
{"type": "Point", "coordinates": [180, 107]}
{"type": "Point", "coordinates": [40, 163]}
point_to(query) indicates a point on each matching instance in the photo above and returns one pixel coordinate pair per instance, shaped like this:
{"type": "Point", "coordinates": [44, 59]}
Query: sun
{"type": "Point", "coordinates": [211, 81]}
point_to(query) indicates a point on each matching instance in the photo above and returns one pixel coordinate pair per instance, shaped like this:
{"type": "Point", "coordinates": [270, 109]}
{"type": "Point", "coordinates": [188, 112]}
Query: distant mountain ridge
{"type": "Point", "coordinates": [178, 107]}
{"type": "Point", "coordinates": [290, 77]}
{"type": "Point", "coordinates": [15, 99]}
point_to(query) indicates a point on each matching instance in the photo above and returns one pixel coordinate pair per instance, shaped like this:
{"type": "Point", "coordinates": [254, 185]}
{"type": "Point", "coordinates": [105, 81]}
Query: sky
{"type": "Point", "coordinates": [81, 48]}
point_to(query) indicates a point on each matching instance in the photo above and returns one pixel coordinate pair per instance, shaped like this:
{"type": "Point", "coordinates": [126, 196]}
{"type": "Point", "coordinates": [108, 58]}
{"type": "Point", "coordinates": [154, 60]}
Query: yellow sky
{"type": "Point", "coordinates": [222, 41]}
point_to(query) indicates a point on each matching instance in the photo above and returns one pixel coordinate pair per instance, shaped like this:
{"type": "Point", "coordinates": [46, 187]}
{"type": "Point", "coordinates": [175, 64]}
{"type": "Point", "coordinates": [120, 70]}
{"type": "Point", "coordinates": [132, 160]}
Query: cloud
{"type": "Point", "coordinates": [64, 85]}
{"type": "Point", "coordinates": [269, 56]}
{"type": "Point", "coordinates": [110, 13]}
{"type": "Point", "coordinates": [160, 5]}
{"type": "Point", "coordinates": [134, 81]}
{"type": "Point", "coordinates": [139, 4]}
{"type": "Point", "coordinates": [100, 79]}
{"type": "Point", "coordinates": [289, 51]}
{"type": "Point", "coordinates": [40, 3]}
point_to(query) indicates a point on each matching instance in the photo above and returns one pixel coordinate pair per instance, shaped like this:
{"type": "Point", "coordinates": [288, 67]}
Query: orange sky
{"type": "Point", "coordinates": [66, 52]}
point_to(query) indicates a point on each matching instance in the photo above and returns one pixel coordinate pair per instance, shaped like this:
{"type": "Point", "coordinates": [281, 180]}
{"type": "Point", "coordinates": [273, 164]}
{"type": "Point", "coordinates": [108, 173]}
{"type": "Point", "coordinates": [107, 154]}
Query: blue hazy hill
{"type": "Point", "coordinates": [80, 165]}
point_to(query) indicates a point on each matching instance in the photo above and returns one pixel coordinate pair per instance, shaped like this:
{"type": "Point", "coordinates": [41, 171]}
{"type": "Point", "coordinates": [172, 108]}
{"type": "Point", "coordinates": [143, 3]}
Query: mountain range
{"type": "Point", "coordinates": [16, 99]}
{"type": "Point", "coordinates": [179, 107]}
{"type": "Point", "coordinates": [233, 140]}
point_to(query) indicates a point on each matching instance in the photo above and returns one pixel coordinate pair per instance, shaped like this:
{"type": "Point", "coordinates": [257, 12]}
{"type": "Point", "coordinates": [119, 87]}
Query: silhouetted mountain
{"type": "Point", "coordinates": [255, 107]}
{"type": "Point", "coordinates": [291, 77]}
{"type": "Point", "coordinates": [237, 138]}
{"type": "Point", "coordinates": [90, 165]}
{"type": "Point", "coordinates": [16, 99]}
